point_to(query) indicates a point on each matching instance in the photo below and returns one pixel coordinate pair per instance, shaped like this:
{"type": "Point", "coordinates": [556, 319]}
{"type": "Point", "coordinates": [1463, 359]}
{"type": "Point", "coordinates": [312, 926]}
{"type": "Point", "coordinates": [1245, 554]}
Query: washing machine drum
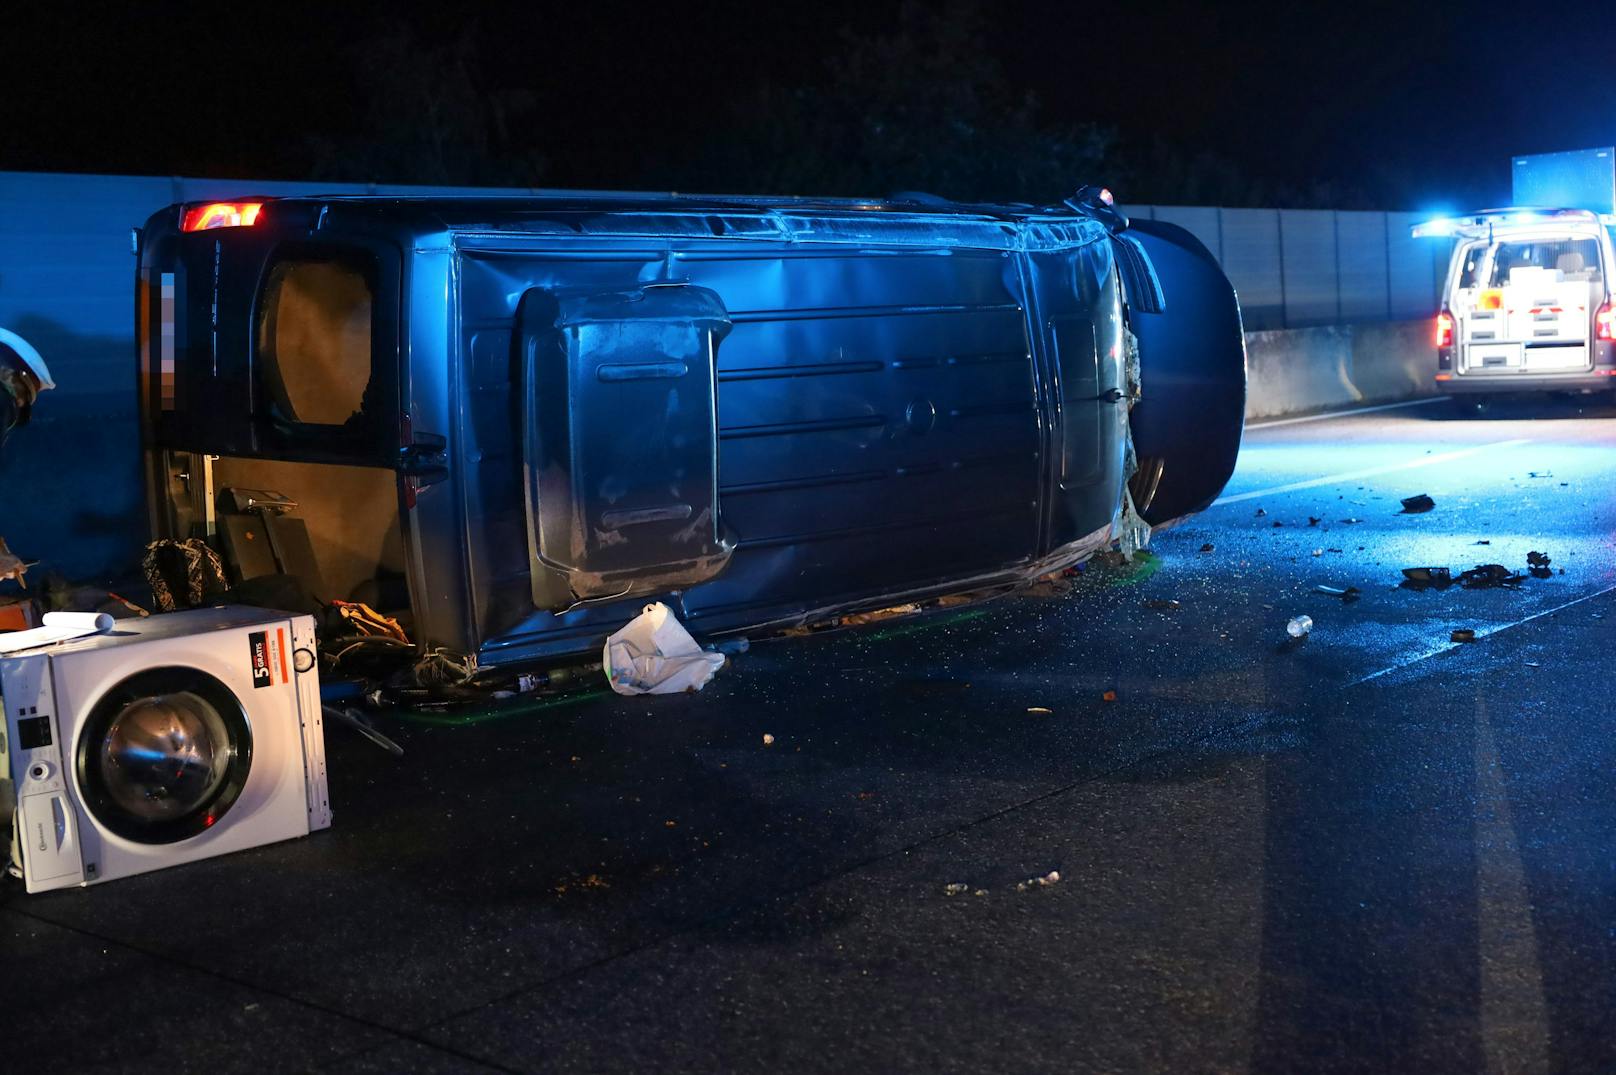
{"type": "Point", "coordinates": [163, 755]}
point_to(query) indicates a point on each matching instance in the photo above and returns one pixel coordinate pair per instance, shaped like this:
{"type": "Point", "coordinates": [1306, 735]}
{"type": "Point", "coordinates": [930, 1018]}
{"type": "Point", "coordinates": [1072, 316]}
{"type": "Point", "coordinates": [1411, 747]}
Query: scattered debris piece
{"type": "Point", "coordinates": [1261, 513]}
{"type": "Point", "coordinates": [957, 888]}
{"type": "Point", "coordinates": [1278, 524]}
{"type": "Point", "coordinates": [1532, 664]}
{"type": "Point", "coordinates": [1039, 709]}
{"type": "Point", "coordinates": [858, 619]}
{"type": "Point", "coordinates": [1464, 634]}
{"type": "Point", "coordinates": [1350, 521]}
{"type": "Point", "coordinates": [1425, 578]}
{"type": "Point", "coordinates": [1051, 878]}
{"type": "Point", "coordinates": [1538, 564]}
{"type": "Point", "coordinates": [1207, 547]}
{"type": "Point", "coordinates": [980, 892]}
{"type": "Point", "coordinates": [670, 824]}
{"type": "Point", "coordinates": [1313, 520]}
{"type": "Point", "coordinates": [1414, 505]}
{"type": "Point", "coordinates": [1488, 576]}
{"type": "Point", "coordinates": [1484, 541]}
{"type": "Point", "coordinates": [1539, 474]}
{"type": "Point", "coordinates": [768, 740]}
{"type": "Point", "coordinates": [1346, 593]}
{"type": "Point", "coordinates": [1318, 552]}
{"type": "Point", "coordinates": [11, 565]}
{"type": "Point", "coordinates": [654, 654]}
{"type": "Point", "coordinates": [1300, 626]}
{"type": "Point", "coordinates": [1162, 603]}
{"type": "Point", "coordinates": [1109, 696]}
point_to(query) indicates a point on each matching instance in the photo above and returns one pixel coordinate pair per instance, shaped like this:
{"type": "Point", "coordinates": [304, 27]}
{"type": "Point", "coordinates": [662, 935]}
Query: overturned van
{"type": "Point", "coordinates": [513, 421]}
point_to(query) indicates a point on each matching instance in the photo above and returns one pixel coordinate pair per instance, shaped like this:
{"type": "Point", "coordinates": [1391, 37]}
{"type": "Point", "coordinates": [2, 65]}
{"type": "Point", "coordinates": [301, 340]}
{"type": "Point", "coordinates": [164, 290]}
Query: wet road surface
{"type": "Point", "coordinates": [1375, 850]}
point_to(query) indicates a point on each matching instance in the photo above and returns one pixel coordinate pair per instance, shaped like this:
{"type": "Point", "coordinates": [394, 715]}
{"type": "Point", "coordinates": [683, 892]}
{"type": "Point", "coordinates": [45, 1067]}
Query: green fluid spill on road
{"type": "Point", "coordinates": [930, 625]}
{"type": "Point", "coordinates": [482, 716]}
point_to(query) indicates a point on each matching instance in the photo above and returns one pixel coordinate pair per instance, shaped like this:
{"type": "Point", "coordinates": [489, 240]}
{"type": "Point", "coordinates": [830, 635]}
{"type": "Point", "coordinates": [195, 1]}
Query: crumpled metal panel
{"type": "Point", "coordinates": [621, 445]}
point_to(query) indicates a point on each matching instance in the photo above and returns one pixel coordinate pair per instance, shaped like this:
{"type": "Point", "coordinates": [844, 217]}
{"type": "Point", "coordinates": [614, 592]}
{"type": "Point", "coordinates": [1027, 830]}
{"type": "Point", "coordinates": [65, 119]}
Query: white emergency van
{"type": "Point", "coordinates": [1527, 302]}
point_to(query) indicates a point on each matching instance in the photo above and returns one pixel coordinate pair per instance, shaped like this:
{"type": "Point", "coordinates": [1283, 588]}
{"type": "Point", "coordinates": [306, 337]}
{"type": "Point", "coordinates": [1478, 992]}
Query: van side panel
{"type": "Point", "coordinates": [878, 422]}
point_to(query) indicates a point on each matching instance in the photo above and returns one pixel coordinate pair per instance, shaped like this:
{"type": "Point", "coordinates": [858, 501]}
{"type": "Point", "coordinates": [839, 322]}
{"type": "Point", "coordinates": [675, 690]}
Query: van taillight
{"type": "Point", "coordinates": [221, 215]}
{"type": "Point", "coordinates": [1444, 329]}
{"type": "Point", "coordinates": [1605, 322]}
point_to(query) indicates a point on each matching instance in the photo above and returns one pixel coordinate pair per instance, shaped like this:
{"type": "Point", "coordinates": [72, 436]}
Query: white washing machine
{"type": "Point", "coordinates": [169, 739]}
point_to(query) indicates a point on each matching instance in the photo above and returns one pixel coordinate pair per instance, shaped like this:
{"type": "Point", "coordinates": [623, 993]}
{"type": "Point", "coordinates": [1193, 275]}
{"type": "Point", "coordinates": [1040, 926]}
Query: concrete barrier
{"type": "Point", "coordinates": [1294, 371]}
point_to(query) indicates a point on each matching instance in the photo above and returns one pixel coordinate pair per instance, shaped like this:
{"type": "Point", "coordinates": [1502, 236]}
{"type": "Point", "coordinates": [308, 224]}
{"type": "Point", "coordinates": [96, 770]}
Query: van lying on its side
{"type": "Point", "coordinates": [514, 421]}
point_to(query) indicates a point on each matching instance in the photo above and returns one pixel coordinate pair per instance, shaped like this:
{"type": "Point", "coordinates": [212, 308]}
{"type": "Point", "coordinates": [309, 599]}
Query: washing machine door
{"type": "Point", "coordinates": [163, 755]}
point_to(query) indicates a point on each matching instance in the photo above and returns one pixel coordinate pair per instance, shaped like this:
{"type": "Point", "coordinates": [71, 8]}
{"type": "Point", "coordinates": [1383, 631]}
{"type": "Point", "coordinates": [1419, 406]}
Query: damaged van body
{"type": "Point", "coordinates": [514, 421]}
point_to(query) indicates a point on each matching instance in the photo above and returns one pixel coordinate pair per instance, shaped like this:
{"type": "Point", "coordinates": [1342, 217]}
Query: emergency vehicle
{"type": "Point", "coordinates": [1527, 303]}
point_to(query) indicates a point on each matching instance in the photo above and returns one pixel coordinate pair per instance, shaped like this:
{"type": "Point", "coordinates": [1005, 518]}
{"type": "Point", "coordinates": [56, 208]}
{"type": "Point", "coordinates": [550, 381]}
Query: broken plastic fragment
{"type": "Point", "coordinates": [1109, 696]}
{"type": "Point", "coordinates": [768, 740]}
{"type": "Point", "coordinates": [956, 889]}
{"type": "Point", "coordinates": [1422, 578]}
{"type": "Point", "coordinates": [1462, 635]}
{"type": "Point", "coordinates": [1039, 709]}
{"type": "Point", "coordinates": [1413, 505]}
{"type": "Point", "coordinates": [1346, 593]}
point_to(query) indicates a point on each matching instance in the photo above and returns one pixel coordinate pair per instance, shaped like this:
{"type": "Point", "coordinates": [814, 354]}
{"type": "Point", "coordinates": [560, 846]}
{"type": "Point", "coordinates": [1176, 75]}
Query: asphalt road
{"type": "Point", "coordinates": [1375, 850]}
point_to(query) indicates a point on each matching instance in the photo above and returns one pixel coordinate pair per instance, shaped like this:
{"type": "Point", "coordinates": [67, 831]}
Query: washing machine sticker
{"type": "Point", "coordinates": [268, 657]}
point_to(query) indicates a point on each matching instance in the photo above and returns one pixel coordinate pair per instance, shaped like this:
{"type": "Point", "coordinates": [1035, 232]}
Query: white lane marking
{"type": "Point", "coordinates": [1481, 634]}
{"type": "Point", "coordinates": [1514, 1010]}
{"type": "Point", "coordinates": [1369, 472]}
{"type": "Point", "coordinates": [1344, 414]}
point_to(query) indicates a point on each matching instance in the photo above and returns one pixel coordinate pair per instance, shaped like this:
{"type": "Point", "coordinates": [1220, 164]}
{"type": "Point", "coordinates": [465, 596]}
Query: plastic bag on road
{"type": "Point", "coordinates": [654, 654]}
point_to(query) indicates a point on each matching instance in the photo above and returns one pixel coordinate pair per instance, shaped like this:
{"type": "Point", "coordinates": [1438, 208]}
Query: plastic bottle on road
{"type": "Point", "coordinates": [1299, 626]}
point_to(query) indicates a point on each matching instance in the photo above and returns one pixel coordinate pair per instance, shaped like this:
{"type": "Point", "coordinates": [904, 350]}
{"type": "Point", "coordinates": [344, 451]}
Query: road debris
{"type": "Point", "coordinates": [1313, 520]}
{"type": "Point", "coordinates": [1538, 564]}
{"type": "Point", "coordinates": [1464, 634]}
{"type": "Point", "coordinates": [1278, 524]}
{"type": "Point", "coordinates": [1425, 578]}
{"type": "Point", "coordinates": [956, 888]}
{"type": "Point", "coordinates": [1167, 604]}
{"type": "Point", "coordinates": [980, 892]}
{"type": "Point", "coordinates": [1484, 541]}
{"type": "Point", "coordinates": [1414, 505]}
{"type": "Point", "coordinates": [1540, 474]}
{"type": "Point", "coordinates": [768, 740]}
{"type": "Point", "coordinates": [11, 566]}
{"type": "Point", "coordinates": [1039, 709]}
{"type": "Point", "coordinates": [1051, 878]}
{"type": "Point", "coordinates": [1261, 513]}
{"type": "Point", "coordinates": [1300, 626]}
{"type": "Point", "coordinates": [1487, 576]}
{"type": "Point", "coordinates": [1346, 593]}
{"type": "Point", "coordinates": [654, 654]}
{"type": "Point", "coordinates": [1208, 547]}
{"type": "Point", "coordinates": [1349, 521]}
{"type": "Point", "coordinates": [1109, 696]}
{"type": "Point", "coordinates": [1318, 552]}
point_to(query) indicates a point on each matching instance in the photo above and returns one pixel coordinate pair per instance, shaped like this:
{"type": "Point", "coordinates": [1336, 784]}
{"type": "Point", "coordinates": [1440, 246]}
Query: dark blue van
{"type": "Point", "coordinates": [514, 421]}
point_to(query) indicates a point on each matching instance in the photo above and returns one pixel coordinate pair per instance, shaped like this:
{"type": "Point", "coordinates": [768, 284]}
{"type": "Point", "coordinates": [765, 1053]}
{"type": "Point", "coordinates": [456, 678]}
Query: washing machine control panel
{"type": "Point", "coordinates": [31, 728]}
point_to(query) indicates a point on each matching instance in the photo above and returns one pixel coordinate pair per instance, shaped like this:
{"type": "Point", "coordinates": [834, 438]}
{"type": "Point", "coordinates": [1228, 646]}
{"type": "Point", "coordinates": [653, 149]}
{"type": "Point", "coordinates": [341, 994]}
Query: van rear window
{"type": "Point", "coordinates": [314, 341]}
{"type": "Point", "coordinates": [1571, 259]}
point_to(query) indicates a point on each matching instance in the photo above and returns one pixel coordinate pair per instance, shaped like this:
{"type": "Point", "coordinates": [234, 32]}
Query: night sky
{"type": "Point", "coordinates": [1358, 105]}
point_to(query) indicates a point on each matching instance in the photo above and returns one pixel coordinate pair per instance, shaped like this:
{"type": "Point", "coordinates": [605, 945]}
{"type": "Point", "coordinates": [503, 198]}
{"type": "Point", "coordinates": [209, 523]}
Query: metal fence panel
{"type": "Point", "coordinates": [1362, 267]}
{"type": "Point", "coordinates": [1307, 260]}
{"type": "Point", "coordinates": [1251, 258]}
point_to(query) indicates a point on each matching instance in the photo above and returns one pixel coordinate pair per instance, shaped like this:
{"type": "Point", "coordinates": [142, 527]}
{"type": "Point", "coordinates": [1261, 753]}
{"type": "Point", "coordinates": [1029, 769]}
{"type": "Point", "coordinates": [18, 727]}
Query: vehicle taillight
{"type": "Point", "coordinates": [1605, 322]}
{"type": "Point", "coordinates": [1444, 329]}
{"type": "Point", "coordinates": [221, 215]}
